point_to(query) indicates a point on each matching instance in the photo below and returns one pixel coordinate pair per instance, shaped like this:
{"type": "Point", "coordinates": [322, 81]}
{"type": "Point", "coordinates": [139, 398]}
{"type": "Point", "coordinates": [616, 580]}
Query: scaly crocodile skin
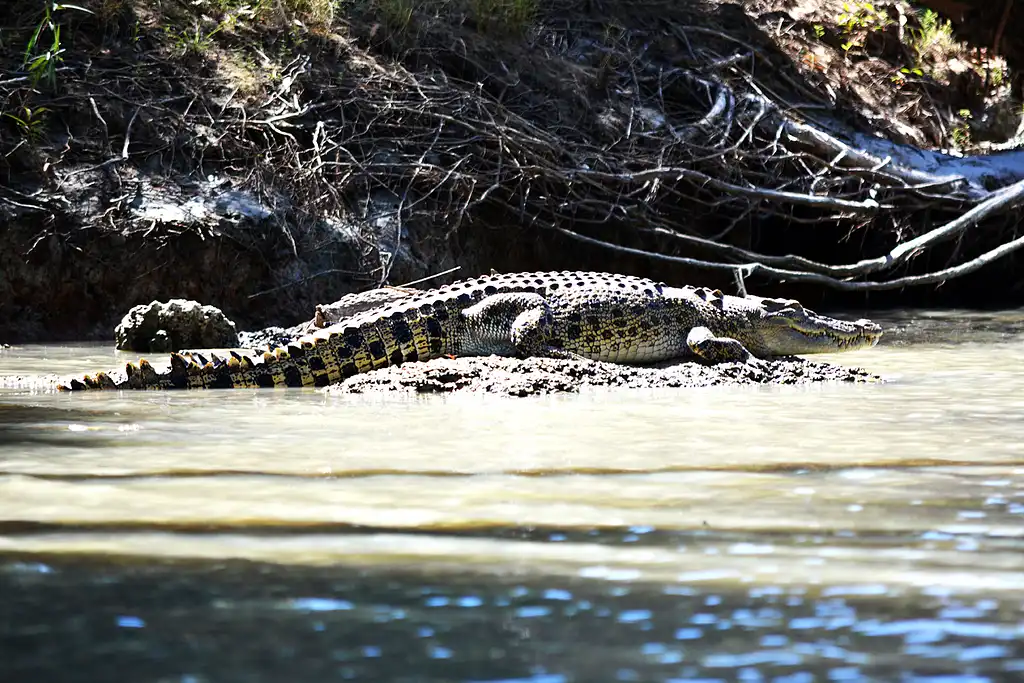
{"type": "Point", "coordinates": [617, 318]}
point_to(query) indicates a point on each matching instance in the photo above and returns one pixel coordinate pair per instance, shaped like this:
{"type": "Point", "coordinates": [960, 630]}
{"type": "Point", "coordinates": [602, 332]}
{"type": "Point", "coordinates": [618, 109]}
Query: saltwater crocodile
{"type": "Point", "coordinates": [599, 316]}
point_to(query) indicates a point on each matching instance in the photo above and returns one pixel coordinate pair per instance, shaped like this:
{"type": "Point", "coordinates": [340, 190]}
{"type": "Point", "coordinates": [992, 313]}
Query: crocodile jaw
{"type": "Point", "coordinates": [783, 327]}
{"type": "Point", "coordinates": [794, 340]}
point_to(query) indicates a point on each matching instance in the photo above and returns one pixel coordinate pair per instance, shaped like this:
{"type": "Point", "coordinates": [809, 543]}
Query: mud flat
{"type": "Point", "coordinates": [535, 376]}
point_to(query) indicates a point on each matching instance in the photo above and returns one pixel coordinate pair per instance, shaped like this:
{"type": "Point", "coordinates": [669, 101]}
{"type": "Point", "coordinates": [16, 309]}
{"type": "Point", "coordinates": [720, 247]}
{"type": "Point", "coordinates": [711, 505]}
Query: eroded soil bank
{"type": "Point", "coordinates": [267, 157]}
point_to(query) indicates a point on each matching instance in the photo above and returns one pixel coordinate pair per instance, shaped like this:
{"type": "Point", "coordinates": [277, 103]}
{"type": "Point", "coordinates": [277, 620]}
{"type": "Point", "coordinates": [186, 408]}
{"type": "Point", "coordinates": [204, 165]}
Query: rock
{"type": "Point", "coordinates": [174, 325]}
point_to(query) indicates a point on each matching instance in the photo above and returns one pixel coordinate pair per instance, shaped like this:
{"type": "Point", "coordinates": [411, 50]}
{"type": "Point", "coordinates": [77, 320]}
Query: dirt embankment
{"type": "Point", "coordinates": [266, 157]}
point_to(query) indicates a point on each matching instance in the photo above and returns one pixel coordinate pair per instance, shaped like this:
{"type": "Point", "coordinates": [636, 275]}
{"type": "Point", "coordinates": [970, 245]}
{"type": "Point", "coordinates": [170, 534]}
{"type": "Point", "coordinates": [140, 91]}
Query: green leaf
{"type": "Point", "coordinates": [80, 9]}
{"type": "Point", "coordinates": [15, 119]}
{"type": "Point", "coordinates": [31, 47]}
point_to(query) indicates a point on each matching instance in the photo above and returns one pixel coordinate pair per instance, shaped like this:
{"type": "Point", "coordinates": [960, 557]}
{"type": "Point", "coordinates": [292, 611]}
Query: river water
{"type": "Point", "coordinates": [829, 532]}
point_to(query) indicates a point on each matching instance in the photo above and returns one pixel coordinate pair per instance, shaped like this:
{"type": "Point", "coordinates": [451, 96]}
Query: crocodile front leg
{"type": "Point", "coordinates": [514, 324]}
{"type": "Point", "coordinates": [532, 335]}
{"type": "Point", "coordinates": [707, 346]}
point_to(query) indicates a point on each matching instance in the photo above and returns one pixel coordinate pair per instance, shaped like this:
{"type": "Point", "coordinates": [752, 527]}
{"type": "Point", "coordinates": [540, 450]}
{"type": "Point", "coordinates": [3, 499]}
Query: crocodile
{"type": "Point", "coordinates": [568, 314]}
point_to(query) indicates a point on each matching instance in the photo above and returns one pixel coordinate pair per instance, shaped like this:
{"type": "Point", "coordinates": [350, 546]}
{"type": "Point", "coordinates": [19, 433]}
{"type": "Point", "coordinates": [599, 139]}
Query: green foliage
{"type": "Point", "coordinates": [961, 133]}
{"type": "Point", "coordinates": [860, 17]}
{"type": "Point", "coordinates": [30, 122]}
{"type": "Point", "coordinates": [900, 78]}
{"type": "Point", "coordinates": [930, 22]}
{"type": "Point", "coordinates": [43, 52]}
{"type": "Point", "coordinates": [932, 34]}
{"type": "Point", "coordinates": [193, 41]}
{"type": "Point", "coordinates": [998, 76]}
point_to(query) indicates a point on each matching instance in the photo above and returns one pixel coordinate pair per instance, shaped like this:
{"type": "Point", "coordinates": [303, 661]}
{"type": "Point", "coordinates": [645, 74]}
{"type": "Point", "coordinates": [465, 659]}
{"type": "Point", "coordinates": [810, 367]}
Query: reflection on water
{"type": "Point", "coordinates": [788, 533]}
{"type": "Point", "coordinates": [264, 622]}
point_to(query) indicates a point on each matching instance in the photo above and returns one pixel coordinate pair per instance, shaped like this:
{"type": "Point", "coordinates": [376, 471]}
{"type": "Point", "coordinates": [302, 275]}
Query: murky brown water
{"type": "Point", "coordinates": [832, 532]}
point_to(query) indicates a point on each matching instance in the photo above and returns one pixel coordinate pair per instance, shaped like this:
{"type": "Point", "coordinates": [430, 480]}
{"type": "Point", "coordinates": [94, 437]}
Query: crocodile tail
{"type": "Point", "coordinates": [303, 363]}
{"type": "Point", "coordinates": [282, 367]}
{"type": "Point", "coordinates": [100, 381]}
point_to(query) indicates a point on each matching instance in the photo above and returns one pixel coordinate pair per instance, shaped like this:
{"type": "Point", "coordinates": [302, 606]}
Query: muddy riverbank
{"type": "Point", "coordinates": [538, 376]}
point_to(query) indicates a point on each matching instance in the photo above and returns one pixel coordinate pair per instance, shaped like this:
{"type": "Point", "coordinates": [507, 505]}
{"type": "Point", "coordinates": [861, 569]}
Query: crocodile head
{"type": "Point", "coordinates": [782, 327]}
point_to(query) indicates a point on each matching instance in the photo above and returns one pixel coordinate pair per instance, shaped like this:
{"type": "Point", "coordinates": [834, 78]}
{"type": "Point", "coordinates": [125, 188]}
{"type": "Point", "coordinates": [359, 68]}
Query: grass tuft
{"type": "Point", "coordinates": [507, 16]}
